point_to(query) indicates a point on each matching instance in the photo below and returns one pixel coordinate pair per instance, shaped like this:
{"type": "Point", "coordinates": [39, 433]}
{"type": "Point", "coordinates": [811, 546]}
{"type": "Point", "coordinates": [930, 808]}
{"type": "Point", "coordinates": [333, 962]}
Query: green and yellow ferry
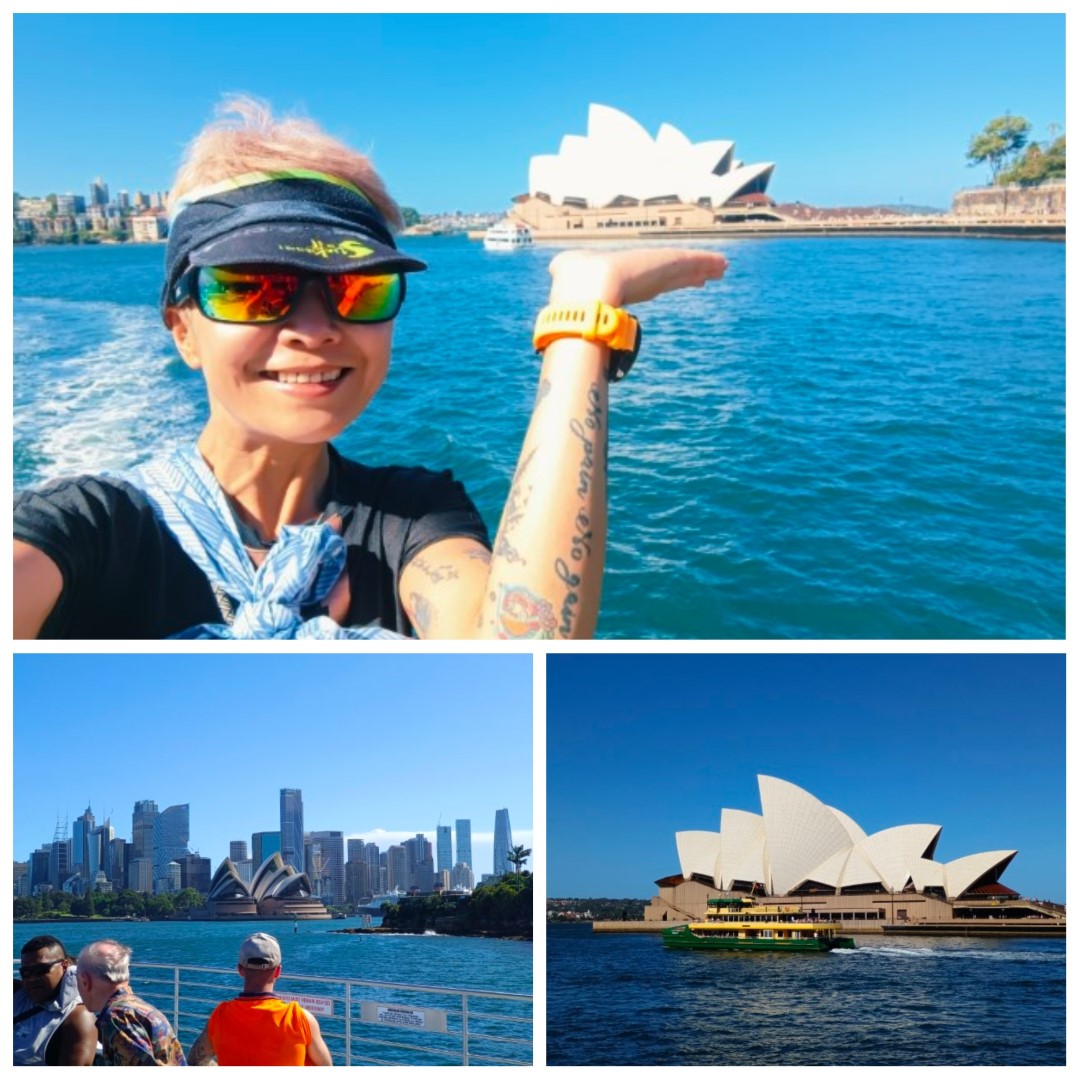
{"type": "Point", "coordinates": [740, 923]}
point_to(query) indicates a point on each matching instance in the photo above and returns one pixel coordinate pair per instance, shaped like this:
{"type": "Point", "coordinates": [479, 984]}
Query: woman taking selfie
{"type": "Point", "coordinates": [282, 283]}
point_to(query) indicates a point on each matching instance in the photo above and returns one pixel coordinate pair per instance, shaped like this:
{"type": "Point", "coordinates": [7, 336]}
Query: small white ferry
{"type": "Point", "coordinates": [507, 235]}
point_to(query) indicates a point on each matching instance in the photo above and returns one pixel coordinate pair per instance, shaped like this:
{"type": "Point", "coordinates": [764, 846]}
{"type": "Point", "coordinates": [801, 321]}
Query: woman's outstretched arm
{"type": "Point", "coordinates": [544, 575]}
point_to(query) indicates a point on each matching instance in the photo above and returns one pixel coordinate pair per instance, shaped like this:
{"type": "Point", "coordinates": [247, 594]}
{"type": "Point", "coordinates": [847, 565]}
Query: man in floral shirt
{"type": "Point", "coordinates": [132, 1032]}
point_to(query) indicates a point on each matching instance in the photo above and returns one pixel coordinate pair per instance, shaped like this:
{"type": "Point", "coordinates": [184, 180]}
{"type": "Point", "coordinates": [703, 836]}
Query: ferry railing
{"type": "Point", "coordinates": [363, 1021]}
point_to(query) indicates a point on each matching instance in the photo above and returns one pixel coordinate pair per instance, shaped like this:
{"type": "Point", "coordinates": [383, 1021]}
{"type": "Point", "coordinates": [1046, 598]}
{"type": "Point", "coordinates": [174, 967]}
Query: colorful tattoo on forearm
{"type": "Point", "coordinates": [522, 614]}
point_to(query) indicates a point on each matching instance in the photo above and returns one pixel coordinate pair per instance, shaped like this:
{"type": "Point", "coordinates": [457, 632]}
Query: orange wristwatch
{"type": "Point", "coordinates": [594, 321]}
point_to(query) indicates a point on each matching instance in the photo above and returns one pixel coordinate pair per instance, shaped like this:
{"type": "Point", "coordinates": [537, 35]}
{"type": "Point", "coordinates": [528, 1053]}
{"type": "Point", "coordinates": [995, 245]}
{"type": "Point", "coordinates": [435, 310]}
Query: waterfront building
{"type": "Point", "coordinates": [60, 856]}
{"type": "Point", "coordinates": [442, 880]}
{"type": "Point", "coordinates": [171, 835]}
{"type": "Point", "coordinates": [462, 877]}
{"type": "Point", "coordinates": [397, 869]}
{"type": "Point", "coordinates": [97, 850]}
{"type": "Point", "coordinates": [118, 857]}
{"type": "Point", "coordinates": [463, 829]}
{"type": "Point", "coordinates": [798, 847]}
{"type": "Point", "coordinates": [194, 872]}
{"type": "Point", "coordinates": [504, 841]}
{"type": "Point", "coordinates": [619, 176]}
{"type": "Point", "coordinates": [292, 828]}
{"type": "Point", "coordinates": [277, 891]}
{"type": "Point", "coordinates": [80, 838]}
{"type": "Point", "coordinates": [99, 193]}
{"type": "Point", "coordinates": [141, 874]}
{"type": "Point", "coordinates": [39, 867]}
{"type": "Point", "coordinates": [21, 880]}
{"type": "Point", "coordinates": [263, 845]}
{"type": "Point", "coordinates": [421, 864]}
{"type": "Point", "coordinates": [238, 850]}
{"type": "Point", "coordinates": [356, 878]}
{"type": "Point", "coordinates": [148, 226]}
{"type": "Point", "coordinates": [143, 823]}
{"type": "Point", "coordinates": [444, 848]}
{"type": "Point", "coordinates": [326, 868]}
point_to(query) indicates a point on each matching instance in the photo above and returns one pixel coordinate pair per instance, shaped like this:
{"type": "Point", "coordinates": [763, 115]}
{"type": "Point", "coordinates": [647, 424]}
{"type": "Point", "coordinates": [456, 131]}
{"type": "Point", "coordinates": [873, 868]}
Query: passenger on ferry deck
{"type": "Point", "coordinates": [131, 1030]}
{"type": "Point", "coordinates": [257, 1027]}
{"type": "Point", "coordinates": [52, 1026]}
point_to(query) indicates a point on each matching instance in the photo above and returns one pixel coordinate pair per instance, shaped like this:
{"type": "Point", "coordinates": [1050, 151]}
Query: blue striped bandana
{"type": "Point", "coordinates": [299, 570]}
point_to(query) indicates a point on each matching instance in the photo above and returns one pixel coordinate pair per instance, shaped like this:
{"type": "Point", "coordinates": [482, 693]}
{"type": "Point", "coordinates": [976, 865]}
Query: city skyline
{"type": "Point", "coordinates": [854, 109]}
{"type": "Point", "coordinates": [381, 838]}
{"type": "Point", "coordinates": [418, 743]}
{"type": "Point", "coordinates": [644, 747]}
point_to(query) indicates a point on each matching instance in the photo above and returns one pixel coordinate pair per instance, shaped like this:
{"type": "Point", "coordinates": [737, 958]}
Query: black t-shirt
{"type": "Point", "coordinates": [126, 576]}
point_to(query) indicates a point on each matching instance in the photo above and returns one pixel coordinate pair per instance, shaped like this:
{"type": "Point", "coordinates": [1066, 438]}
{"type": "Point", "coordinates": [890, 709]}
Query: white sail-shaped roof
{"type": "Point", "coordinates": [894, 851]}
{"type": "Point", "coordinates": [742, 848]}
{"type": "Point", "coordinates": [926, 874]}
{"type": "Point", "coordinates": [619, 157]}
{"type": "Point", "coordinates": [797, 839]}
{"type": "Point", "coordinates": [831, 870]}
{"type": "Point", "coordinates": [698, 852]}
{"type": "Point", "coordinates": [859, 870]}
{"type": "Point", "coordinates": [961, 874]}
{"type": "Point", "coordinates": [801, 832]}
{"type": "Point", "coordinates": [852, 829]}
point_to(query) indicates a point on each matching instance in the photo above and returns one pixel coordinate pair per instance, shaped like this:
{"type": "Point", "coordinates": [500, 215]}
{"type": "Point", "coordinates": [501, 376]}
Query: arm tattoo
{"type": "Point", "coordinates": [421, 613]}
{"type": "Point", "coordinates": [523, 614]}
{"type": "Point", "coordinates": [201, 1052]}
{"type": "Point", "coordinates": [505, 550]}
{"type": "Point", "coordinates": [435, 574]}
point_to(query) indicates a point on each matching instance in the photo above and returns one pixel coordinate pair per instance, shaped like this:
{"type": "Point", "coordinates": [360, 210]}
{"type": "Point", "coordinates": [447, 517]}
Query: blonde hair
{"type": "Point", "coordinates": [247, 137]}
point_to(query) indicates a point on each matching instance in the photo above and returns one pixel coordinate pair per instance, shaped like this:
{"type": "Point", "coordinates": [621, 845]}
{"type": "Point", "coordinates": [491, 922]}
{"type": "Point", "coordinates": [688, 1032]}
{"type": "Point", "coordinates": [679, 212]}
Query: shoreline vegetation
{"type": "Point", "coordinates": [502, 909]}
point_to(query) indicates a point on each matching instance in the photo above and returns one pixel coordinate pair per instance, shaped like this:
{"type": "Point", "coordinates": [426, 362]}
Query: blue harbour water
{"type": "Point", "coordinates": [846, 437]}
{"type": "Point", "coordinates": [623, 999]}
{"type": "Point", "coordinates": [432, 960]}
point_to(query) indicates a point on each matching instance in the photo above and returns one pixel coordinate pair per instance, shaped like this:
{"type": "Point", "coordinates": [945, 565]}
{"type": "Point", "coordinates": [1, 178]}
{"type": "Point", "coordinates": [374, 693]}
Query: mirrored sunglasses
{"type": "Point", "coordinates": [267, 295]}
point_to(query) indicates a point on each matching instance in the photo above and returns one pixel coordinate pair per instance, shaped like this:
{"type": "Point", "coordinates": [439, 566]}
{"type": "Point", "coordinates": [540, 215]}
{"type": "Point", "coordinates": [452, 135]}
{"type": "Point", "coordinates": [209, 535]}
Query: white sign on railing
{"type": "Point", "coordinates": [320, 1006]}
{"type": "Point", "coordinates": [403, 1016]}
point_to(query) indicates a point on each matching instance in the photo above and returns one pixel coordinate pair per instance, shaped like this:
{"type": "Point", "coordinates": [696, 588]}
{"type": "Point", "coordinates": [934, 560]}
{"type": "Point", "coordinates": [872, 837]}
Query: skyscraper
{"type": "Point", "coordinates": [328, 865]}
{"type": "Point", "coordinates": [354, 848]}
{"type": "Point", "coordinates": [504, 841]}
{"type": "Point", "coordinates": [80, 834]}
{"type": "Point", "coordinates": [397, 868]}
{"type": "Point", "coordinates": [263, 845]}
{"type": "Point", "coordinates": [171, 835]}
{"type": "Point", "coordinates": [443, 848]}
{"type": "Point", "coordinates": [143, 822]}
{"type": "Point", "coordinates": [238, 850]}
{"type": "Point", "coordinates": [292, 828]}
{"type": "Point", "coordinates": [463, 828]}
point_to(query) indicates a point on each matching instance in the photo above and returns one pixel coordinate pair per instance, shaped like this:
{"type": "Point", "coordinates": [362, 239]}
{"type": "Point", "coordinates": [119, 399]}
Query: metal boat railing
{"type": "Point", "coordinates": [363, 1021]}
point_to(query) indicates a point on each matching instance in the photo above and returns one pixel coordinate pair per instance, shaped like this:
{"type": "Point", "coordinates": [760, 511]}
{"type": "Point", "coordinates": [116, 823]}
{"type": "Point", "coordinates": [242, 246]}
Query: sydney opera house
{"type": "Point", "coordinates": [798, 847]}
{"type": "Point", "coordinates": [617, 176]}
{"type": "Point", "coordinates": [277, 891]}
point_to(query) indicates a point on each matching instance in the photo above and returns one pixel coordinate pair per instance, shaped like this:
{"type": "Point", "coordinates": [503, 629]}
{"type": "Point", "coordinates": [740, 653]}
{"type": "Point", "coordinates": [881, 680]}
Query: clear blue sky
{"type": "Point", "coordinates": [640, 747]}
{"type": "Point", "coordinates": [380, 745]}
{"type": "Point", "coordinates": [853, 109]}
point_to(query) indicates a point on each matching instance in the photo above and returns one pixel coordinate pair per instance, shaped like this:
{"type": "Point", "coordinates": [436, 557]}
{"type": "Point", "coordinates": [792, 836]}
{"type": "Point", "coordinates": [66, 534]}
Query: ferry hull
{"type": "Point", "coordinates": [683, 938]}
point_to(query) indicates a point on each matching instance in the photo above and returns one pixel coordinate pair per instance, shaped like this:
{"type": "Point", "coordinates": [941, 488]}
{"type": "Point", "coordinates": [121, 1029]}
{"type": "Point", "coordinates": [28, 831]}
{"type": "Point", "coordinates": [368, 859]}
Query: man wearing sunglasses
{"type": "Point", "coordinates": [52, 1026]}
{"type": "Point", "coordinates": [282, 284]}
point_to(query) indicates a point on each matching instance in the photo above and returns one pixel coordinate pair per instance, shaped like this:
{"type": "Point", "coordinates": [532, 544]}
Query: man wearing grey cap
{"type": "Point", "coordinates": [257, 1028]}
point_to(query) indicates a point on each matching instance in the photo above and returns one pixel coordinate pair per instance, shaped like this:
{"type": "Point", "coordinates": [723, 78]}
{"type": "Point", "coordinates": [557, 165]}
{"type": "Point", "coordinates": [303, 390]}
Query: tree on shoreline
{"type": "Point", "coordinates": [999, 144]}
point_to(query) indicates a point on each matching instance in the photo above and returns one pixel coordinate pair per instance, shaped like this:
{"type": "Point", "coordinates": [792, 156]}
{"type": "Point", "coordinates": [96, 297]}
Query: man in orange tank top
{"type": "Point", "coordinates": [257, 1028]}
